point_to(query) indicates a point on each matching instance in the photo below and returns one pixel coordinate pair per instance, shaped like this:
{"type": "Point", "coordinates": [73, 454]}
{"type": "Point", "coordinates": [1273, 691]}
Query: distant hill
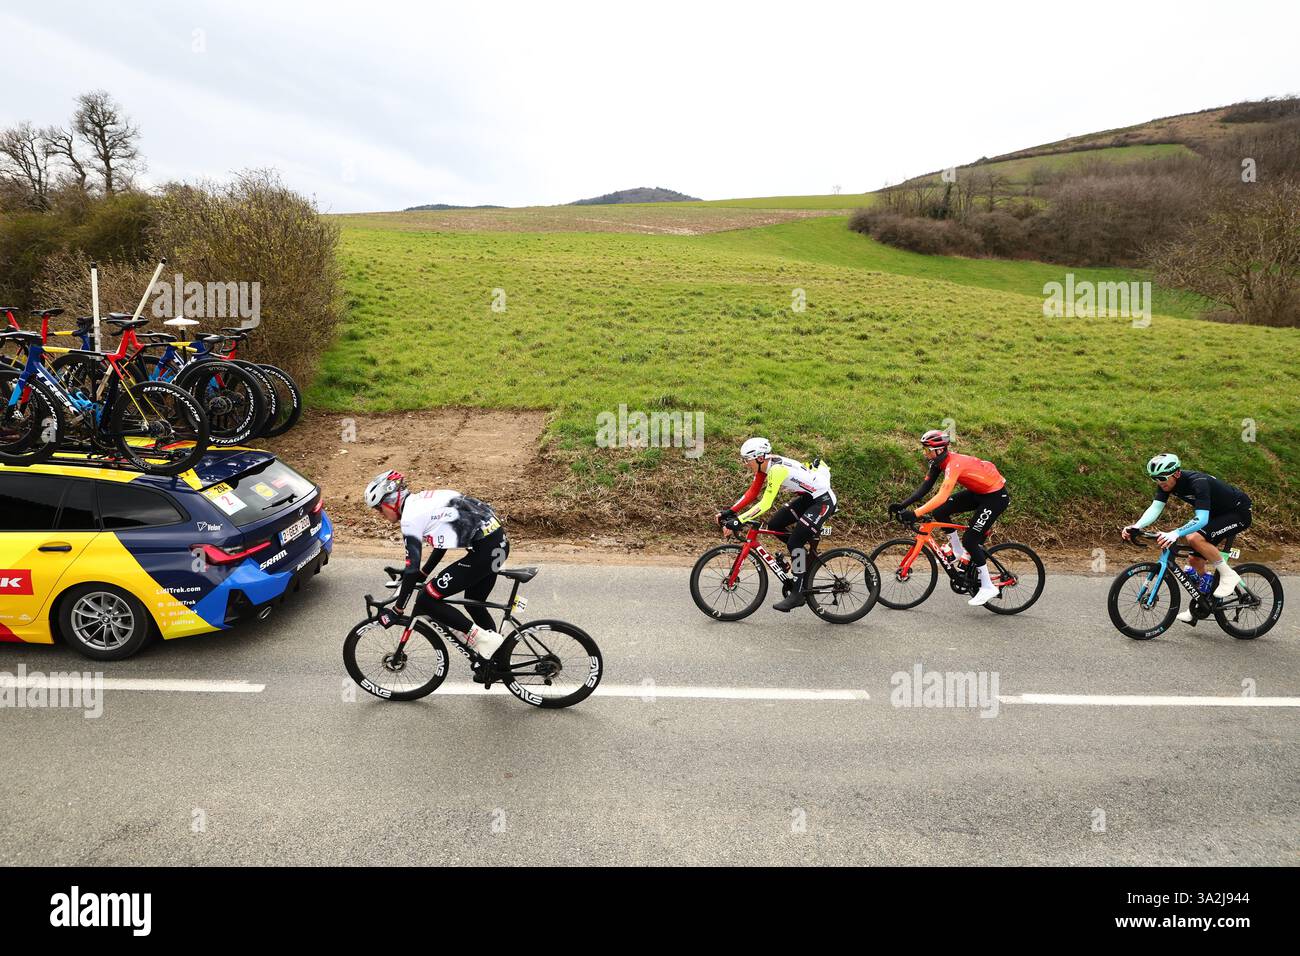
{"type": "Point", "coordinates": [640, 194]}
{"type": "Point", "coordinates": [442, 206]}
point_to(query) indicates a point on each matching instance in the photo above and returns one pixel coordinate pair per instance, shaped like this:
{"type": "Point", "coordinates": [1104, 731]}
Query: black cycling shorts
{"type": "Point", "coordinates": [1228, 523]}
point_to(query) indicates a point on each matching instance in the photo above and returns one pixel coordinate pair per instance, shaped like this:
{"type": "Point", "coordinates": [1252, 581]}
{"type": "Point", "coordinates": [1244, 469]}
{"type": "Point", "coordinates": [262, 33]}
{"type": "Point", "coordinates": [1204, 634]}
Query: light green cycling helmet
{"type": "Point", "coordinates": [1162, 466]}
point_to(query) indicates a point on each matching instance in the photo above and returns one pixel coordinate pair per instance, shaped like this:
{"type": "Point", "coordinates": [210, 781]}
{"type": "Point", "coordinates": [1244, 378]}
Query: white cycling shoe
{"type": "Point", "coordinates": [1228, 581]}
{"type": "Point", "coordinates": [983, 596]}
{"type": "Point", "coordinates": [1185, 616]}
{"type": "Point", "coordinates": [483, 641]}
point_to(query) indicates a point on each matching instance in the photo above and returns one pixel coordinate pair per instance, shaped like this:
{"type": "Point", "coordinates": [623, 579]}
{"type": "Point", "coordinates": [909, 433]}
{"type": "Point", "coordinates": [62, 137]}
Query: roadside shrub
{"type": "Point", "coordinates": [255, 229]}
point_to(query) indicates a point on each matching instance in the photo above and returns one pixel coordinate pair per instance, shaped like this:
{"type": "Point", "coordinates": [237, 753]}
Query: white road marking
{"type": "Point", "coordinates": [164, 684]}
{"type": "Point", "coordinates": [1144, 700]}
{"type": "Point", "coordinates": [654, 691]}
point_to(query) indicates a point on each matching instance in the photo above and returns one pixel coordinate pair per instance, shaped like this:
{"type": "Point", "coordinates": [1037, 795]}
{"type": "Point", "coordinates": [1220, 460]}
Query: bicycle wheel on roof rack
{"type": "Point", "coordinates": [159, 428]}
{"type": "Point", "coordinates": [31, 423]}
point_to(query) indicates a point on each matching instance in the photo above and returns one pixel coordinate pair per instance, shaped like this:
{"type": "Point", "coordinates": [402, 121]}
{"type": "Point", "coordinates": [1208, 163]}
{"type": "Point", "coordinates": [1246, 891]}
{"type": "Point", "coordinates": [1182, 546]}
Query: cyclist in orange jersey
{"type": "Point", "coordinates": [984, 491]}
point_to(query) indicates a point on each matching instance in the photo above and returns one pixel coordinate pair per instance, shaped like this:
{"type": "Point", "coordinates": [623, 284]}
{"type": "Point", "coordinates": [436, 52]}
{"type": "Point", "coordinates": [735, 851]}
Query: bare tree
{"type": "Point", "coordinates": [1245, 253]}
{"type": "Point", "coordinates": [25, 163]}
{"type": "Point", "coordinates": [111, 136]}
{"type": "Point", "coordinates": [62, 142]}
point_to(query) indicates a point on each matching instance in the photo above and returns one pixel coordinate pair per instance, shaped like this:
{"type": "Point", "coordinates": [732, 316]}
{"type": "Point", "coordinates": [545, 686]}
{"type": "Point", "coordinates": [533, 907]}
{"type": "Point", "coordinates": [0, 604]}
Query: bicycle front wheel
{"type": "Point", "coordinates": [904, 587]}
{"type": "Point", "coordinates": [716, 595]}
{"type": "Point", "coordinates": [1255, 606]}
{"type": "Point", "coordinates": [159, 428]}
{"type": "Point", "coordinates": [844, 586]}
{"type": "Point", "coordinates": [551, 664]}
{"type": "Point", "coordinates": [374, 660]}
{"type": "Point", "coordinates": [1133, 610]}
{"type": "Point", "coordinates": [1019, 576]}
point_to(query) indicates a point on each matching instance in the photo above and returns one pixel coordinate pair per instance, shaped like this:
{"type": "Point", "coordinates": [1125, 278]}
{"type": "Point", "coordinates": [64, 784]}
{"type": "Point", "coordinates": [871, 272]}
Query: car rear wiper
{"type": "Point", "coordinates": [293, 496]}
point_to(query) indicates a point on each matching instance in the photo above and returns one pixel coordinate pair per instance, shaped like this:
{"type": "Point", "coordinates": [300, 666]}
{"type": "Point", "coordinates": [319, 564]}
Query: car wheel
{"type": "Point", "coordinates": [103, 622]}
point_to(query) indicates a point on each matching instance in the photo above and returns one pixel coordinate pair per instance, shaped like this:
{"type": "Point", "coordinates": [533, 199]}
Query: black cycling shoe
{"type": "Point", "coordinates": [797, 599]}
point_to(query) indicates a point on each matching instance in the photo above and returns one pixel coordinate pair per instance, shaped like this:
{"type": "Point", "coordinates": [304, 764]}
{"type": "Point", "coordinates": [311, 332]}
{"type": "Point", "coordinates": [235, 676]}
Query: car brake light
{"type": "Point", "coordinates": [214, 555]}
{"type": "Point", "coordinates": [320, 503]}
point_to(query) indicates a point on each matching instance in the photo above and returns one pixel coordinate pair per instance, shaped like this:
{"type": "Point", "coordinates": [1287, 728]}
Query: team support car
{"type": "Point", "coordinates": [105, 556]}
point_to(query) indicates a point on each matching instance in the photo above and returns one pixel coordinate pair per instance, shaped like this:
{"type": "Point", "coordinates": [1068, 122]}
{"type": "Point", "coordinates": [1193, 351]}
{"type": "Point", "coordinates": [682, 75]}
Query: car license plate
{"type": "Point", "coordinates": [295, 529]}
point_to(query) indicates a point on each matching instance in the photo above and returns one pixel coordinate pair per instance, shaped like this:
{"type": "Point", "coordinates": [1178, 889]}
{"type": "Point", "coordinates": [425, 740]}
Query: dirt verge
{"type": "Point", "coordinates": [499, 456]}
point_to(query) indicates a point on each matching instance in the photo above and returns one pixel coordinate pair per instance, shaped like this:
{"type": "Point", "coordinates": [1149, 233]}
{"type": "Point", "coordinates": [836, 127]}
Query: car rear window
{"type": "Point", "coordinates": [123, 507]}
{"type": "Point", "coordinates": [259, 492]}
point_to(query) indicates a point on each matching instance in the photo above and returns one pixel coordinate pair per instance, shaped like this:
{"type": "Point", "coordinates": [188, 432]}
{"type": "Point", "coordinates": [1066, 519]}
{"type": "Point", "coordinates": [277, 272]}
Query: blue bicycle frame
{"type": "Point", "coordinates": [1151, 588]}
{"type": "Point", "coordinates": [34, 368]}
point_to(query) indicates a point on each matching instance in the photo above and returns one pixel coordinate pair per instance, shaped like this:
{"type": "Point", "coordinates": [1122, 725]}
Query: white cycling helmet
{"type": "Point", "coordinates": [388, 488]}
{"type": "Point", "coordinates": [755, 448]}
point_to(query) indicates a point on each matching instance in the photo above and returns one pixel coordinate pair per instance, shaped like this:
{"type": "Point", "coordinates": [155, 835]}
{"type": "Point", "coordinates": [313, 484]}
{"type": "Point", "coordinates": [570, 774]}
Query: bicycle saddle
{"type": "Point", "coordinates": [522, 575]}
{"type": "Point", "coordinates": [9, 308]}
{"type": "Point", "coordinates": [28, 338]}
{"type": "Point", "coordinates": [159, 337]}
{"type": "Point", "coordinates": [47, 313]}
{"type": "Point", "coordinates": [236, 333]}
{"type": "Point", "coordinates": [125, 322]}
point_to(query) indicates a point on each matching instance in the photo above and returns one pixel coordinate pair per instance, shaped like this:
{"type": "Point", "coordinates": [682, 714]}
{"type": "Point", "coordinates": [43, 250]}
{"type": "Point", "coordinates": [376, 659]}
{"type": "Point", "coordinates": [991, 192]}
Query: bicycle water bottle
{"type": "Point", "coordinates": [1206, 579]}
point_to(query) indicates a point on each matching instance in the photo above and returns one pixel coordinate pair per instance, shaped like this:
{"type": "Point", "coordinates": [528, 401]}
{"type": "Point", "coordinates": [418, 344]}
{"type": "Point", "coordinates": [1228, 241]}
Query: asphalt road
{"type": "Point", "coordinates": [686, 763]}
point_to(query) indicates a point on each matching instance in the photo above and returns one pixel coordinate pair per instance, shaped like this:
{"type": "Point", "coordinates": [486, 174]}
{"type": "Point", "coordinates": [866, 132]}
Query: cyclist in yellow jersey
{"type": "Point", "coordinates": [814, 502]}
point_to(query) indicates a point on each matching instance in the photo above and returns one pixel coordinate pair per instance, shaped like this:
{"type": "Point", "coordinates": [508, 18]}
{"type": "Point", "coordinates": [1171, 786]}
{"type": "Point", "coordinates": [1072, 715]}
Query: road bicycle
{"type": "Point", "coordinates": [1143, 601]}
{"type": "Point", "coordinates": [546, 663]}
{"type": "Point", "coordinates": [729, 581]}
{"type": "Point", "coordinates": [156, 427]}
{"type": "Point", "coordinates": [910, 570]}
{"type": "Point", "coordinates": [234, 397]}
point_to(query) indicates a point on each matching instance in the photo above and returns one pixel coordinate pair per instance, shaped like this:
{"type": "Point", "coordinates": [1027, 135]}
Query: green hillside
{"type": "Point", "coordinates": [890, 343]}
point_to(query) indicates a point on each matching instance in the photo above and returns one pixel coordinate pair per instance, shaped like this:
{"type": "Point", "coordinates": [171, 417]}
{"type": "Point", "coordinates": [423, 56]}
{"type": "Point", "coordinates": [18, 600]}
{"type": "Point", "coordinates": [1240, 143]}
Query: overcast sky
{"type": "Point", "coordinates": [383, 105]}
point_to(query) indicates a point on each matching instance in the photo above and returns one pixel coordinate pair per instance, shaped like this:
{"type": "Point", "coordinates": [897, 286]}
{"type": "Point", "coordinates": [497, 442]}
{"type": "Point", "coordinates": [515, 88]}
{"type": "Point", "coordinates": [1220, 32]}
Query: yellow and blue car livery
{"type": "Point", "coordinates": [200, 551]}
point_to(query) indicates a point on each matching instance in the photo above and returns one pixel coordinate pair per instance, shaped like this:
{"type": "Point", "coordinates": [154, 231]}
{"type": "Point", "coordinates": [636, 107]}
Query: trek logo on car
{"type": "Point", "coordinates": [15, 582]}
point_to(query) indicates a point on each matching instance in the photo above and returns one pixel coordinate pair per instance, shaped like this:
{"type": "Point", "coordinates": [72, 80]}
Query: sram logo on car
{"type": "Point", "coordinates": [15, 582]}
{"type": "Point", "coordinates": [271, 560]}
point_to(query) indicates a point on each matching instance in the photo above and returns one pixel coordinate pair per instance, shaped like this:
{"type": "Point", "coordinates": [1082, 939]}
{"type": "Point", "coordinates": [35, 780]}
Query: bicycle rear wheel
{"type": "Point", "coordinates": [1019, 575]}
{"type": "Point", "coordinates": [1249, 620]}
{"type": "Point", "coordinates": [232, 398]}
{"type": "Point", "coordinates": [551, 664]}
{"type": "Point", "coordinates": [902, 589]}
{"type": "Point", "coordinates": [159, 428]}
{"type": "Point", "coordinates": [844, 586]}
{"type": "Point", "coordinates": [1131, 608]}
{"type": "Point", "coordinates": [30, 429]}
{"type": "Point", "coordinates": [370, 654]}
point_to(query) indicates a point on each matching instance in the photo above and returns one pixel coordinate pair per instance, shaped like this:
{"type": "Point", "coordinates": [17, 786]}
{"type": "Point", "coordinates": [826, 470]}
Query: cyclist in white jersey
{"type": "Point", "coordinates": [443, 520]}
{"type": "Point", "coordinates": [814, 502]}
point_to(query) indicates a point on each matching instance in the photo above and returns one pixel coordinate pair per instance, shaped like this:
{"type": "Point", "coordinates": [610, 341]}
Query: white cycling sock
{"type": "Point", "coordinates": [985, 580]}
{"type": "Point", "coordinates": [484, 641]}
{"type": "Point", "coordinates": [954, 539]}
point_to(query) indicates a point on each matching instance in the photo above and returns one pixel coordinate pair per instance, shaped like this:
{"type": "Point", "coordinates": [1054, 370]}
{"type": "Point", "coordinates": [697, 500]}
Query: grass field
{"type": "Point", "coordinates": [890, 343]}
{"type": "Point", "coordinates": [660, 219]}
{"type": "Point", "coordinates": [1018, 171]}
